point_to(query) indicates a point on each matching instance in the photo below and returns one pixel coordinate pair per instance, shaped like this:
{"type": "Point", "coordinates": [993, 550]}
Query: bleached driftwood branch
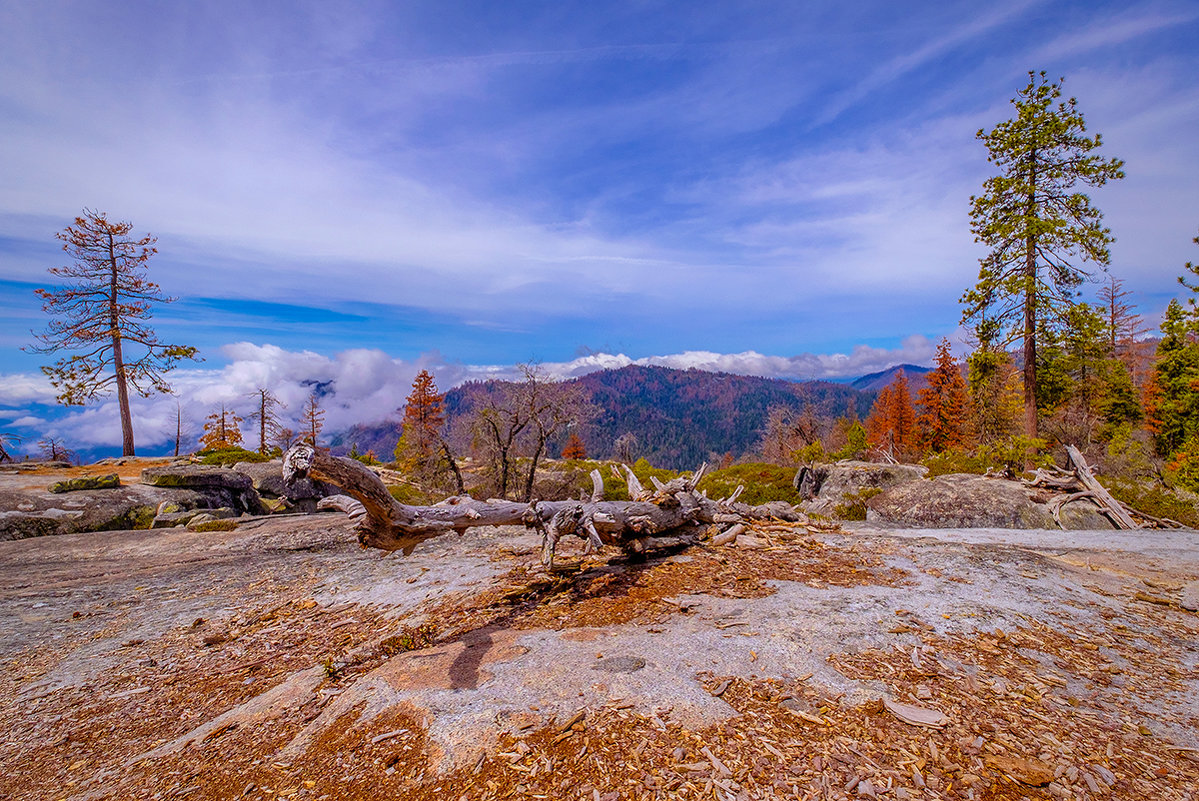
{"type": "Point", "coordinates": [672, 510]}
{"type": "Point", "coordinates": [1079, 483]}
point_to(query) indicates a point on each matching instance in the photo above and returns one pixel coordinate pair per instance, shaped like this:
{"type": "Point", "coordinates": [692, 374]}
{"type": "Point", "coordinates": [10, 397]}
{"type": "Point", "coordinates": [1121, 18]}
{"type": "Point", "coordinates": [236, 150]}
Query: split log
{"type": "Point", "coordinates": [673, 512]}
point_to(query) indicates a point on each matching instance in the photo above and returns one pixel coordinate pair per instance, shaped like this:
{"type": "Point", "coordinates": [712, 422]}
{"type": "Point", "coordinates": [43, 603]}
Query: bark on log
{"type": "Point", "coordinates": [674, 509]}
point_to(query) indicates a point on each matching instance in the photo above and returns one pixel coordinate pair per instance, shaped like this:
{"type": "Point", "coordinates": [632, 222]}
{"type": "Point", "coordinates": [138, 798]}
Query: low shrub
{"type": "Point", "coordinates": [410, 496]}
{"type": "Point", "coordinates": [853, 505]}
{"type": "Point", "coordinates": [215, 525]}
{"type": "Point", "coordinates": [763, 483]}
{"type": "Point", "coordinates": [1155, 500]}
{"type": "Point", "coordinates": [410, 638]}
{"type": "Point", "coordinates": [228, 457]}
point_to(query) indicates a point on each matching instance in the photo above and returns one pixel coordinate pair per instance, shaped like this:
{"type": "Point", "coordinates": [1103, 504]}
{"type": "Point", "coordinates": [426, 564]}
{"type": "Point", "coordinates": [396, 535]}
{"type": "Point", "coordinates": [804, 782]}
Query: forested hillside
{"type": "Point", "coordinates": [681, 417]}
{"type": "Point", "coordinates": [678, 417]}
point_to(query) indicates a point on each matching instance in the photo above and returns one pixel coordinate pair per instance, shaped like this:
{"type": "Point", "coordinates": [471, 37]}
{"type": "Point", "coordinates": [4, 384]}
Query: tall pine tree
{"type": "Point", "coordinates": [1039, 229]}
{"type": "Point", "coordinates": [100, 319]}
{"type": "Point", "coordinates": [1172, 393]}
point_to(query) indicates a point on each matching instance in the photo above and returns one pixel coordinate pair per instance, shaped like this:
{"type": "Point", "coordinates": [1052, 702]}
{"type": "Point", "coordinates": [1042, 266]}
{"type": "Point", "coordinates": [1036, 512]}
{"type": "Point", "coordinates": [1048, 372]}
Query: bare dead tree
{"type": "Point", "coordinates": [267, 416]}
{"type": "Point", "coordinates": [517, 420]}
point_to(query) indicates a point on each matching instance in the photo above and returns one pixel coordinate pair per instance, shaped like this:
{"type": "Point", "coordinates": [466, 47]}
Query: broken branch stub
{"type": "Point", "coordinates": [674, 513]}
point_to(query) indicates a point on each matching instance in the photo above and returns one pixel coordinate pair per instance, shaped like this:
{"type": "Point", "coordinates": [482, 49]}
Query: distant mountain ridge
{"type": "Point", "coordinates": [874, 382]}
{"type": "Point", "coordinates": [680, 417]}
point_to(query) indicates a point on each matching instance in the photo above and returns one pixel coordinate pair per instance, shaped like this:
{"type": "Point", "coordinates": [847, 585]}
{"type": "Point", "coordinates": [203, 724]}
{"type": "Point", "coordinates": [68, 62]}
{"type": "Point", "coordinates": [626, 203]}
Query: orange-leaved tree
{"type": "Point", "coordinates": [891, 426]}
{"type": "Point", "coordinates": [222, 431]}
{"type": "Point", "coordinates": [422, 451]}
{"type": "Point", "coordinates": [944, 404]}
{"type": "Point", "coordinates": [574, 448]}
{"type": "Point", "coordinates": [424, 415]}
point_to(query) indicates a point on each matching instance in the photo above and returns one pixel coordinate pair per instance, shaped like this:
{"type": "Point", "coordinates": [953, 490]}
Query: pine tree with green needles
{"type": "Point", "coordinates": [1039, 229]}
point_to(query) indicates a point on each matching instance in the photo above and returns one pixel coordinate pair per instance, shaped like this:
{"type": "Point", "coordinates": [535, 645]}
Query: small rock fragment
{"type": "Point", "coordinates": [1190, 597]}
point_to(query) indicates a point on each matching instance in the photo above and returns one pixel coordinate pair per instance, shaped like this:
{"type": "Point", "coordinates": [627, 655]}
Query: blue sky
{"type": "Point", "coordinates": [770, 188]}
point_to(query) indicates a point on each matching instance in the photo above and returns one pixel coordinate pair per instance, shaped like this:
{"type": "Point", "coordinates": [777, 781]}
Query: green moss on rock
{"type": "Point", "coordinates": [214, 525]}
{"type": "Point", "coordinates": [111, 481]}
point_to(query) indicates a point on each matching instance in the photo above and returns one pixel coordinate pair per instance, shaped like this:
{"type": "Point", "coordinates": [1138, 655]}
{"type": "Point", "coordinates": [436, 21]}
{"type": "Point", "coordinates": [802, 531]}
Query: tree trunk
{"type": "Point", "coordinates": [533, 460]}
{"type": "Point", "coordinates": [118, 362]}
{"type": "Point", "coordinates": [453, 463]}
{"type": "Point", "coordinates": [262, 422]}
{"type": "Point", "coordinates": [673, 510]}
{"type": "Point", "coordinates": [1030, 309]}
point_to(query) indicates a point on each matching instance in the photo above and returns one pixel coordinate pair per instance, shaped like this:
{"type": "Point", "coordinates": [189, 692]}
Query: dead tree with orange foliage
{"type": "Point", "coordinates": [944, 404]}
{"type": "Point", "coordinates": [312, 418]}
{"type": "Point", "coordinates": [574, 448]}
{"type": "Point", "coordinates": [891, 426]}
{"type": "Point", "coordinates": [422, 451]}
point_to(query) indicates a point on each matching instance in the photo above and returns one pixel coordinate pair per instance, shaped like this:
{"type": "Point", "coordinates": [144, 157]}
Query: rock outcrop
{"type": "Point", "coordinates": [301, 495]}
{"type": "Point", "coordinates": [37, 513]}
{"type": "Point", "coordinates": [827, 486]}
{"type": "Point", "coordinates": [964, 500]}
{"type": "Point", "coordinates": [220, 486]}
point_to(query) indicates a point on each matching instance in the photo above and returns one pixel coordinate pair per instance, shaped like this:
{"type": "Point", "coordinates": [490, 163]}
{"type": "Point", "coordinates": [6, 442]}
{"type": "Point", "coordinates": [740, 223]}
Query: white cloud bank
{"type": "Point", "coordinates": [367, 385]}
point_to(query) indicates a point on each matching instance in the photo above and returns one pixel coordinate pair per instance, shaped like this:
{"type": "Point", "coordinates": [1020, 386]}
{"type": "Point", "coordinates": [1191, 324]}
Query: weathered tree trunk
{"type": "Point", "coordinates": [453, 463]}
{"type": "Point", "coordinates": [672, 510]}
{"type": "Point", "coordinates": [1080, 484]}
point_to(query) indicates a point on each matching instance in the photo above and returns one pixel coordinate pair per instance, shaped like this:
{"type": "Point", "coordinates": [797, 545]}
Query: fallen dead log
{"type": "Point", "coordinates": [673, 512]}
{"type": "Point", "coordinates": [1079, 483]}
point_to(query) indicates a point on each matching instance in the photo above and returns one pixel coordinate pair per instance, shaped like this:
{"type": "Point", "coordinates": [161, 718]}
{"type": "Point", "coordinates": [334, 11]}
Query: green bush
{"type": "Point", "coordinates": [1183, 466]}
{"type": "Point", "coordinates": [1129, 454]}
{"type": "Point", "coordinates": [1008, 455]}
{"type": "Point", "coordinates": [410, 495]}
{"type": "Point", "coordinates": [576, 477]}
{"type": "Point", "coordinates": [853, 505]}
{"type": "Point", "coordinates": [763, 483]}
{"type": "Point", "coordinates": [811, 454]}
{"type": "Point", "coordinates": [855, 445]}
{"type": "Point", "coordinates": [1155, 500]}
{"type": "Point", "coordinates": [230, 456]}
{"type": "Point", "coordinates": [366, 458]}
{"type": "Point", "coordinates": [215, 525]}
